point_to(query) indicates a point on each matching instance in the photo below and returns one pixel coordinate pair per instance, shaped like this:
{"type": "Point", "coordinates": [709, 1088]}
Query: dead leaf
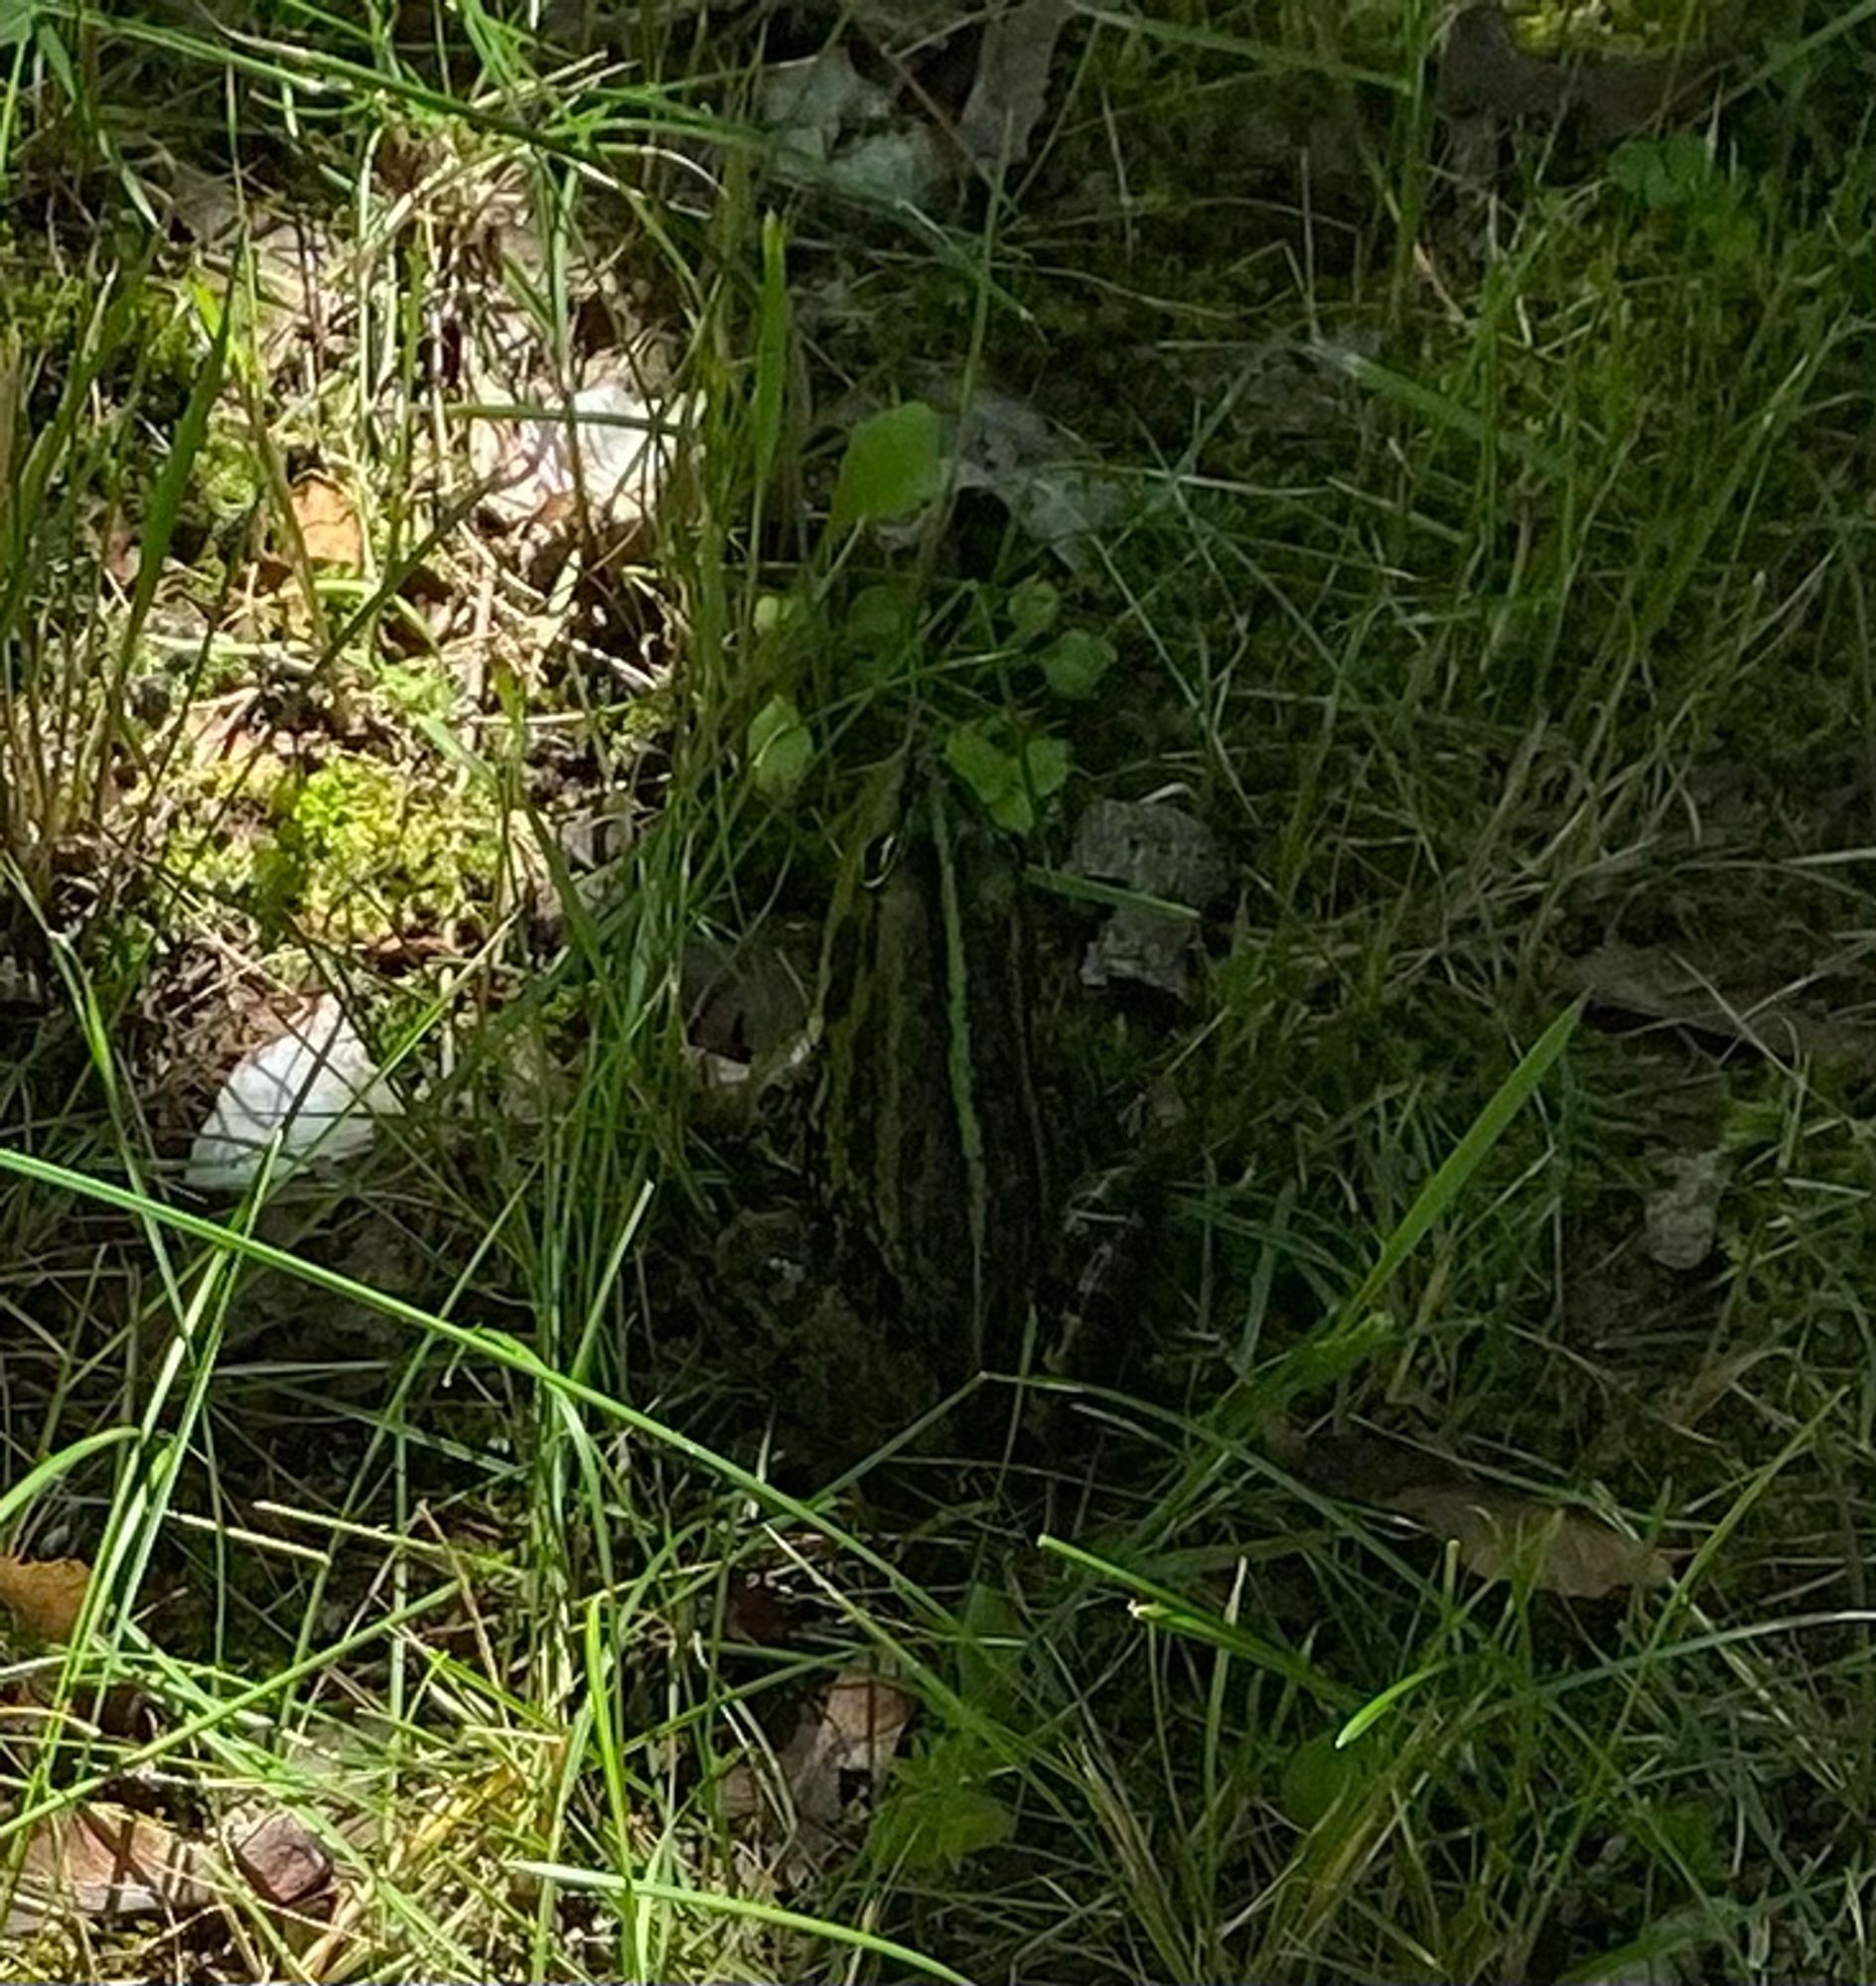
{"type": "Point", "coordinates": [1035, 470]}
{"type": "Point", "coordinates": [610, 450]}
{"type": "Point", "coordinates": [105, 1862]}
{"type": "Point", "coordinates": [856, 1732]}
{"type": "Point", "coordinates": [1006, 100]}
{"type": "Point", "coordinates": [1710, 994]}
{"type": "Point", "coordinates": [1682, 1216]}
{"type": "Point", "coordinates": [46, 1595]}
{"type": "Point", "coordinates": [109, 1861]}
{"type": "Point", "coordinates": [836, 1757]}
{"type": "Point", "coordinates": [1564, 1551]}
{"type": "Point", "coordinates": [328, 524]}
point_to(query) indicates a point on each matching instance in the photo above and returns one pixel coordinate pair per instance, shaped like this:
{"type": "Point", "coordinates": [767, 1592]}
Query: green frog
{"type": "Point", "coordinates": [926, 1110]}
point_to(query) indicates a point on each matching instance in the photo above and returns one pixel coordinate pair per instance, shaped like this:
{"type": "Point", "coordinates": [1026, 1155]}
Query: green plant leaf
{"type": "Point", "coordinates": [1008, 784]}
{"type": "Point", "coordinates": [780, 748]}
{"type": "Point", "coordinates": [894, 465]}
{"type": "Point", "coordinates": [1045, 766]}
{"type": "Point", "coordinates": [1075, 662]}
{"type": "Point", "coordinates": [772, 351]}
{"type": "Point", "coordinates": [880, 632]}
{"type": "Point", "coordinates": [1035, 607]}
{"type": "Point", "coordinates": [1675, 171]}
{"type": "Point", "coordinates": [1320, 1774]}
{"type": "Point", "coordinates": [936, 1810]}
{"type": "Point", "coordinates": [1446, 1183]}
{"type": "Point", "coordinates": [989, 1650]}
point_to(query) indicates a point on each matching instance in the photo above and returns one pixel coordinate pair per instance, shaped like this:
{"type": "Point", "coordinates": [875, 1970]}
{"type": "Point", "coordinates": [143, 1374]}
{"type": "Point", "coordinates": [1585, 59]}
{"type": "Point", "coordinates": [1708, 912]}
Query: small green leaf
{"type": "Point", "coordinates": [1075, 662]}
{"type": "Point", "coordinates": [1733, 237]}
{"type": "Point", "coordinates": [57, 58]}
{"type": "Point", "coordinates": [983, 763]}
{"type": "Point", "coordinates": [1035, 608]}
{"type": "Point", "coordinates": [780, 748]}
{"type": "Point", "coordinates": [1008, 784]}
{"type": "Point", "coordinates": [1663, 172]}
{"type": "Point", "coordinates": [937, 1811]}
{"type": "Point", "coordinates": [772, 611]}
{"type": "Point", "coordinates": [1319, 1773]}
{"type": "Point", "coordinates": [880, 632]}
{"type": "Point", "coordinates": [989, 1650]}
{"type": "Point", "coordinates": [894, 465]}
{"type": "Point", "coordinates": [880, 617]}
{"type": "Point", "coordinates": [771, 351]}
{"type": "Point", "coordinates": [1045, 766]}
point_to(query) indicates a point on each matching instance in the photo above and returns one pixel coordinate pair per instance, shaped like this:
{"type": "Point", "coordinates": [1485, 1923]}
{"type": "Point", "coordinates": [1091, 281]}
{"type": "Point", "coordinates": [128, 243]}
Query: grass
{"type": "Point", "coordinates": [1483, 565]}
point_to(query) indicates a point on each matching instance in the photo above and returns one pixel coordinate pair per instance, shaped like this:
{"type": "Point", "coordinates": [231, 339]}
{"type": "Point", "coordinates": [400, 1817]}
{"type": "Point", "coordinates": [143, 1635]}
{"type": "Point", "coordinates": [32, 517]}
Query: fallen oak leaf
{"type": "Point", "coordinates": [107, 1861]}
{"type": "Point", "coordinates": [327, 523]}
{"type": "Point", "coordinates": [46, 1595]}
{"type": "Point", "coordinates": [1564, 1551]}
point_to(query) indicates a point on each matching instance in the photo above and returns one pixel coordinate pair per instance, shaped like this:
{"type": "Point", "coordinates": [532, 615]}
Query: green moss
{"type": "Point", "coordinates": [368, 853]}
{"type": "Point", "coordinates": [227, 481]}
{"type": "Point", "coordinates": [357, 852]}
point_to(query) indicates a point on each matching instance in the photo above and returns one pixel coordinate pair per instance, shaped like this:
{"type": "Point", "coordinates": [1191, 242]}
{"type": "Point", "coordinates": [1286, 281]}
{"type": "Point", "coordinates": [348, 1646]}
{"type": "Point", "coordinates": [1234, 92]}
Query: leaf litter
{"type": "Point", "coordinates": [1682, 1216]}
{"type": "Point", "coordinates": [1163, 854]}
{"type": "Point", "coordinates": [1006, 101]}
{"type": "Point", "coordinates": [1560, 1551]}
{"type": "Point", "coordinates": [1706, 992]}
{"type": "Point", "coordinates": [1498, 1535]}
{"type": "Point", "coordinates": [835, 128]}
{"type": "Point", "coordinates": [1027, 461]}
{"type": "Point", "coordinates": [105, 1862]}
{"type": "Point", "coordinates": [830, 1769]}
{"type": "Point", "coordinates": [327, 523]}
{"type": "Point", "coordinates": [46, 1595]}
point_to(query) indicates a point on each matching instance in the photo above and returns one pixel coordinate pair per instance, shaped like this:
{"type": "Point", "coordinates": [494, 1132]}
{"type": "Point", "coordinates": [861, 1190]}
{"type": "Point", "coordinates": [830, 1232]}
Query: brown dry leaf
{"type": "Point", "coordinates": [328, 523]}
{"type": "Point", "coordinates": [107, 1861]}
{"type": "Point", "coordinates": [1006, 100]}
{"type": "Point", "coordinates": [838, 1753]}
{"type": "Point", "coordinates": [1709, 992]}
{"type": "Point", "coordinates": [46, 1595]}
{"type": "Point", "coordinates": [855, 1730]}
{"type": "Point", "coordinates": [1565, 1551]}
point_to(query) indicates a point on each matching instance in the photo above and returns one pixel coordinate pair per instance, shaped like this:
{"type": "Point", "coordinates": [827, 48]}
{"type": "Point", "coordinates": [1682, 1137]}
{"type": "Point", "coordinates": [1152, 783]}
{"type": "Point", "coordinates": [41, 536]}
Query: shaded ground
{"type": "Point", "coordinates": [950, 699]}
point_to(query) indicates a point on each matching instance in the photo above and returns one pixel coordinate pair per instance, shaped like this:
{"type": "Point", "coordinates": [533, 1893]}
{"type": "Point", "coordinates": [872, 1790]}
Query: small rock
{"type": "Point", "coordinates": [281, 1858]}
